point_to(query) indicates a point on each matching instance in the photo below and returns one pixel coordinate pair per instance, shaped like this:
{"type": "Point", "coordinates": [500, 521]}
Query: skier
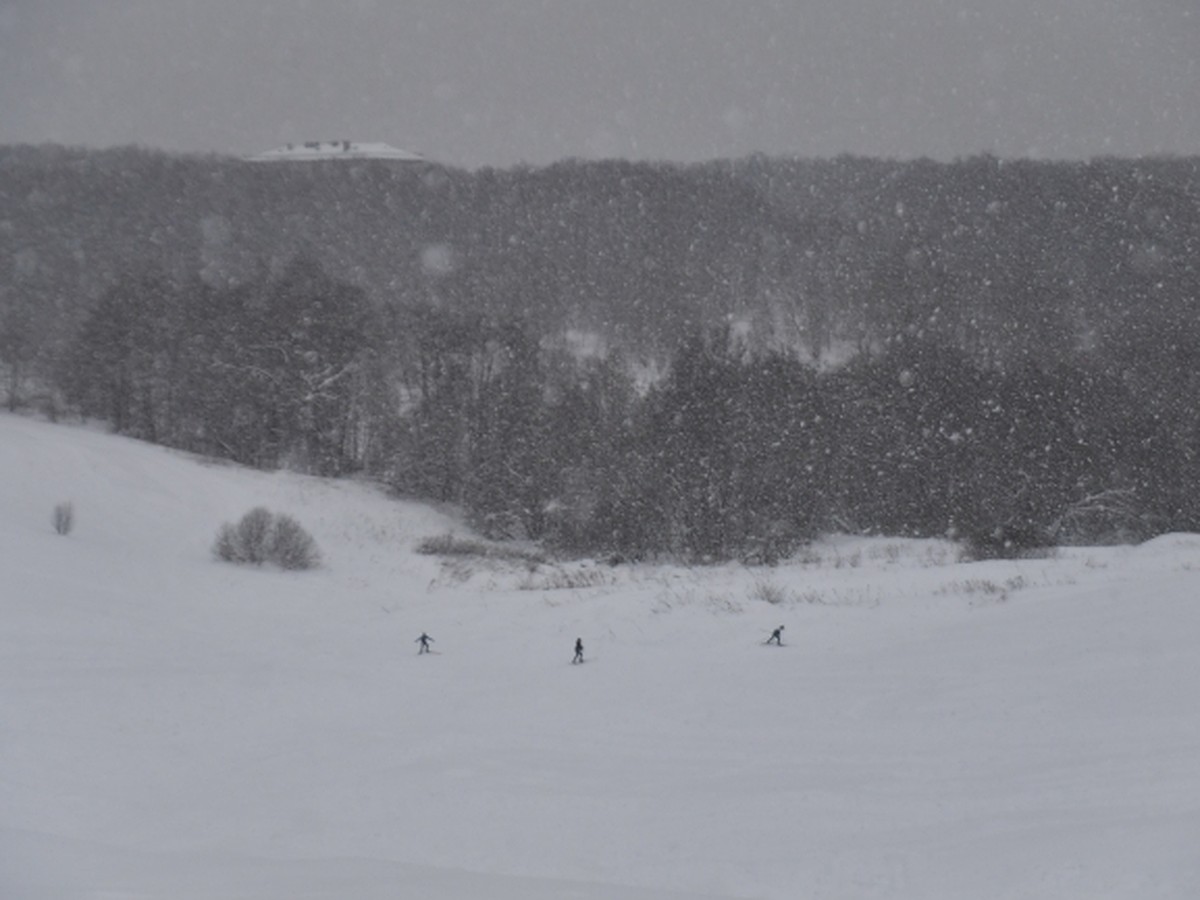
{"type": "Point", "coordinates": [776, 636]}
{"type": "Point", "coordinates": [423, 640]}
{"type": "Point", "coordinates": [578, 651]}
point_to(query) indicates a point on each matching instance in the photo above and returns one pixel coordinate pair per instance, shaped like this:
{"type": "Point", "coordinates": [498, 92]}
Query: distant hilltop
{"type": "Point", "coordinates": [315, 150]}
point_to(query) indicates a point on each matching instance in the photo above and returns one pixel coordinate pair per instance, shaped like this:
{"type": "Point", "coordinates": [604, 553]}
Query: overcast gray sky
{"type": "Point", "coordinates": [497, 82]}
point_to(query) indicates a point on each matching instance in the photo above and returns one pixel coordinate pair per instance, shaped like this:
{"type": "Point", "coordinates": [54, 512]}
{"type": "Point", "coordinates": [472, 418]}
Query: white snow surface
{"type": "Point", "coordinates": [319, 150]}
{"type": "Point", "coordinates": [176, 727]}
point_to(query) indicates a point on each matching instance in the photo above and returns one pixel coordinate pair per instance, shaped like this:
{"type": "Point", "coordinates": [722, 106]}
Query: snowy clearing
{"type": "Point", "coordinates": [175, 727]}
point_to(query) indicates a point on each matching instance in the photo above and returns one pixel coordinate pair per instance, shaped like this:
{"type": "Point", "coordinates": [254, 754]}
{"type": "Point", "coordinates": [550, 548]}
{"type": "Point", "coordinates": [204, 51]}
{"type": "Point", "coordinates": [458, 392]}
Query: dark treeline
{"type": "Point", "coordinates": [731, 453]}
{"type": "Point", "coordinates": [708, 361]}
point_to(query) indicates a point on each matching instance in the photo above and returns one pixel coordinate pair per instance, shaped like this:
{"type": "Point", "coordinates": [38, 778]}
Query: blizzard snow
{"type": "Point", "coordinates": [175, 727]}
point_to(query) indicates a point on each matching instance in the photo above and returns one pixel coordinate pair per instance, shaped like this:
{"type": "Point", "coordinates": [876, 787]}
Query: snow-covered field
{"type": "Point", "coordinates": [175, 727]}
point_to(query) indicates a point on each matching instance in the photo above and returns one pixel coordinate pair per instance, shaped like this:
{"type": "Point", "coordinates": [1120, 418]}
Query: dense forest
{"type": "Point", "coordinates": [705, 361]}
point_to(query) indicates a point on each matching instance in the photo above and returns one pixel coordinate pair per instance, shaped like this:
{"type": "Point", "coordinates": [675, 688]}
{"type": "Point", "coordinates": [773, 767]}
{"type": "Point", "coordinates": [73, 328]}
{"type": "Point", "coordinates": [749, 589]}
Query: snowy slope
{"type": "Point", "coordinates": [171, 726]}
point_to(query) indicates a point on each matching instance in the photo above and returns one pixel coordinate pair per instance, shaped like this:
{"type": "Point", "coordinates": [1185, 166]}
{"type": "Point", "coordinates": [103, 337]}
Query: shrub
{"type": "Point", "coordinates": [291, 547]}
{"type": "Point", "coordinates": [254, 535]}
{"type": "Point", "coordinates": [561, 580]}
{"type": "Point", "coordinates": [64, 518]}
{"type": "Point", "coordinates": [226, 546]}
{"type": "Point", "coordinates": [261, 537]}
{"type": "Point", "coordinates": [1112, 516]}
{"type": "Point", "coordinates": [1009, 542]}
{"type": "Point", "coordinates": [768, 592]}
{"type": "Point", "coordinates": [449, 545]}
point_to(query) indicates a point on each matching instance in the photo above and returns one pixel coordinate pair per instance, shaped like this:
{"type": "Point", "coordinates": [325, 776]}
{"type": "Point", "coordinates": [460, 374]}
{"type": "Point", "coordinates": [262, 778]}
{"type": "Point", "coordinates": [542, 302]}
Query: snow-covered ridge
{"type": "Point", "coordinates": [319, 150]}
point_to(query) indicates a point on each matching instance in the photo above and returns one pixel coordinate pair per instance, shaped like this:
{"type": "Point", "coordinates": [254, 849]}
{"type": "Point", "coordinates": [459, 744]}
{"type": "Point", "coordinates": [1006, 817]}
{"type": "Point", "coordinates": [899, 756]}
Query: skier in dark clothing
{"type": "Point", "coordinates": [423, 640]}
{"type": "Point", "coordinates": [776, 636]}
{"type": "Point", "coordinates": [578, 651]}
